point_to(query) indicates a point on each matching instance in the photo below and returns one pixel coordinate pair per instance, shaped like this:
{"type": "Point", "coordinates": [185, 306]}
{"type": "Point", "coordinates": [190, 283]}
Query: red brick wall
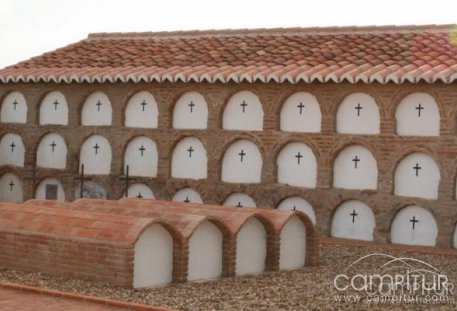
{"type": "Point", "coordinates": [78, 258]}
{"type": "Point", "coordinates": [388, 147]}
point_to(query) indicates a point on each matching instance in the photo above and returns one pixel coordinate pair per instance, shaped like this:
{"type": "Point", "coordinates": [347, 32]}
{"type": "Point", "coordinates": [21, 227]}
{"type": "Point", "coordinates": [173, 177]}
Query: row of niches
{"type": "Point", "coordinates": [352, 219]}
{"type": "Point", "coordinates": [355, 167]}
{"type": "Point", "coordinates": [416, 115]}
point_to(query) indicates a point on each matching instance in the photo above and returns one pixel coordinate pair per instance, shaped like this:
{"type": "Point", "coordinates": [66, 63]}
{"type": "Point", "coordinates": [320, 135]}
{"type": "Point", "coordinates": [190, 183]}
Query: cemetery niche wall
{"type": "Point", "coordinates": [302, 127]}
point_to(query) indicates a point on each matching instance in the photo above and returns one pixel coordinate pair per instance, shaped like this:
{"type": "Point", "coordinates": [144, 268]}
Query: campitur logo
{"type": "Point", "coordinates": [394, 280]}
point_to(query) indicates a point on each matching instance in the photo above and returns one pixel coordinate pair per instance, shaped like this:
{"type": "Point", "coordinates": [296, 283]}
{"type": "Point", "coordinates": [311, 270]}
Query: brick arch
{"type": "Point", "coordinates": [244, 136]}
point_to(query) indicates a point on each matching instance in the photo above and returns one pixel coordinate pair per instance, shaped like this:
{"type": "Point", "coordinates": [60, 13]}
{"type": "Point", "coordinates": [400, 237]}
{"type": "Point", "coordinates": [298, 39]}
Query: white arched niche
{"type": "Point", "coordinates": [417, 175]}
{"type": "Point", "coordinates": [455, 237]}
{"type": "Point", "coordinates": [50, 189]}
{"type": "Point", "coordinates": [297, 203]}
{"type": "Point", "coordinates": [239, 200]}
{"type": "Point", "coordinates": [189, 159]}
{"type": "Point", "coordinates": [353, 220]}
{"type": "Point", "coordinates": [11, 189]}
{"type": "Point", "coordinates": [187, 195]}
{"type": "Point", "coordinates": [140, 191]}
{"type": "Point", "coordinates": [242, 163]}
{"type": "Point", "coordinates": [153, 257]}
{"type": "Point", "coordinates": [251, 248]}
{"type": "Point", "coordinates": [355, 168]}
{"type": "Point", "coordinates": [292, 249]}
{"type": "Point", "coordinates": [190, 112]}
{"type": "Point", "coordinates": [142, 111]}
{"type": "Point", "coordinates": [358, 114]}
{"type": "Point", "coordinates": [141, 157]}
{"type": "Point", "coordinates": [297, 166]}
{"type": "Point", "coordinates": [14, 108]}
{"type": "Point", "coordinates": [301, 113]}
{"type": "Point", "coordinates": [96, 156]}
{"type": "Point", "coordinates": [418, 115]}
{"type": "Point", "coordinates": [97, 110]}
{"type": "Point", "coordinates": [205, 252]}
{"type": "Point", "coordinates": [414, 225]}
{"type": "Point", "coordinates": [243, 112]}
{"type": "Point", "coordinates": [12, 150]}
{"type": "Point", "coordinates": [54, 109]}
{"type": "Point", "coordinates": [52, 152]}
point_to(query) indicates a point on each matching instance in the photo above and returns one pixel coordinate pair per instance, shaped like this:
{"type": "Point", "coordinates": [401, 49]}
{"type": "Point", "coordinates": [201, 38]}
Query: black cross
{"type": "Point", "coordinates": [53, 145]}
{"type": "Point", "coordinates": [190, 150]}
{"type": "Point", "coordinates": [358, 108]}
{"type": "Point", "coordinates": [98, 105]}
{"type": "Point", "coordinates": [417, 168]}
{"type": "Point", "coordinates": [187, 200]}
{"type": "Point", "coordinates": [56, 103]}
{"type": "Point", "coordinates": [15, 103]}
{"type": "Point", "coordinates": [191, 105]}
{"type": "Point", "coordinates": [295, 208]}
{"type": "Point", "coordinates": [419, 109]}
{"type": "Point", "coordinates": [301, 106]}
{"type": "Point", "coordinates": [139, 195]}
{"type": "Point", "coordinates": [298, 156]}
{"type": "Point", "coordinates": [11, 184]}
{"type": "Point", "coordinates": [244, 105]}
{"type": "Point", "coordinates": [82, 178]}
{"type": "Point", "coordinates": [414, 220]}
{"type": "Point", "coordinates": [356, 161]}
{"type": "Point", "coordinates": [96, 147]}
{"type": "Point", "coordinates": [353, 214]}
{"type": "Point", "coordinates": [126, 178]}
{"type": "Point", "coordinates": [239, 205]}
{"type": "Point", "coordinates": [12, 146]}
{"type": "Point", "coordinates": [142, 149]}
{"type": "Point", "coordinates": [143, 103]}
{"type": "Point", "coordinates": [242, 154]}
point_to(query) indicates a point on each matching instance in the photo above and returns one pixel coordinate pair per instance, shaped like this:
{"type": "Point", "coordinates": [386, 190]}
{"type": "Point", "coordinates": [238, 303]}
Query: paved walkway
{"type": "Point", "coordinates": [16, 297]}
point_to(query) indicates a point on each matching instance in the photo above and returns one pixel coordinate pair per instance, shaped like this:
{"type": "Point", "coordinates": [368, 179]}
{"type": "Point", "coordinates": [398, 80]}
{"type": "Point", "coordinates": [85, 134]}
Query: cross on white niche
{"type": "Point", "coordinates": [419, 109]}
{"type": "Point", "coordinates": [358, 108]}
{"type": "Point", "coordinates": [142, 149]}
{"type": "Point", "coordinates": [191, 105]}
{"type": "Point", "coordinates": [53, 145]}
{"type": "Point", "coordinates": [298, 156]}
{"type": "Point", "coordinates": [301, 106]}
{"type": "Point", "coordinates": [242, 154]}
{"type": "Point", "coordinates": [417, 168]}
{"type": "Point", "coordinates": [414, 221]}
{"type": "Point", "coordinates": [11, 184]}
{"type": "Point", "coordinates": [96, 147]}
{"type": "Point", "coordinates": [356, 161]}
{"type": "Point", "coordinates": [12, 146]}
{"type": "Point", "coordinates": [15, 103]}
{"type": "Point", "coordinates": [353, 214]}
{"type": "Point", "coordinates": [98, 105]}
{"type": "Point", "coordinates": [143, 104]}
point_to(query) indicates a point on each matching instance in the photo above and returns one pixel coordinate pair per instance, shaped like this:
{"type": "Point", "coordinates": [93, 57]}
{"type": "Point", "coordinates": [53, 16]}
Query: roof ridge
{"type": "Point", "coordinates": [270, 31]}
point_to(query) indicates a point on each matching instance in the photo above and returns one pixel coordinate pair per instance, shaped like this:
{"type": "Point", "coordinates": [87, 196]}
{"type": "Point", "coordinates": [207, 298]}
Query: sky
{"type": "Point", "coordinates": [31, 27]}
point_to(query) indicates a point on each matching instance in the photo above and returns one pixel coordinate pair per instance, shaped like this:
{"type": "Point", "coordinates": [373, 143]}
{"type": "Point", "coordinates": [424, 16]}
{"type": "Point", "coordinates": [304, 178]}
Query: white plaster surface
{"type": "Point", "coordinates": [52, 152]}
{"type": "Point", "coordinates": [190, 112]}
{"type": "Point", "coordinates": [8, 193]}
{"type": "Point", "coordinates": [14, 108]}
{"type": "Point", "coordinates": [251, 119]}
{"type": "Point", "coordinates": [247, 171]}
{"type": "Point", "coordinates": [96, 163]}
{"type": "Point", "coordinates": [363, 226]}
{"type": "Point", "coordinates": [297, 203]}
{"type": "Point", "coordinates": [251, 248]}
{"type": "Point", "coordinates": [142, 157]}
{"type": "Point", "coordinates": [350, 120]}
{"type": "Point", "coordinates": [40, 192]}
{"type": "Point", "coordinates": [94, 114]}
{"type": "Point", "coordinates": [153, 259]}
{"type": "Point", "coordinates": [297, 166]}
{"type": "Point", "coordinates": [12, 155]}
{"type": "Point", "coordinates": [347, 176]}
{"type": "Point", "coordinates": [236, 199]}
{"type": "Point", "coordinates": [425, 184]}
{"type": "Point", "coordinates": [135, 116]}
{"type": "Point", "coordinates": [205, 252]}
{"type": "Point", "coordinates": [187, 194]}
{"type": "Point", "coordinates": [410, 123]}
{"type": "Point", "coordinates": [140, 191]}
{"type": "Point", "coordinates": [425, 230]}
{"type": "Point", "coordinates": [308, 121]}
{"type": "Point", "coordinates": [54, 114]}
{"type": "Point", "coordinates": [189, 164]}
{"type": "Point", "coordinates": [292, 252]}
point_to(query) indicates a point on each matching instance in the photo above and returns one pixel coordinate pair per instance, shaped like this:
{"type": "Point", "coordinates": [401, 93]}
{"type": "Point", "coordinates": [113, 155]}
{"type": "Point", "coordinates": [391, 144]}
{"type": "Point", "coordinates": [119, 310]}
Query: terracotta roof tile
{"type": "Point", "coordinates": [353, 54]}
